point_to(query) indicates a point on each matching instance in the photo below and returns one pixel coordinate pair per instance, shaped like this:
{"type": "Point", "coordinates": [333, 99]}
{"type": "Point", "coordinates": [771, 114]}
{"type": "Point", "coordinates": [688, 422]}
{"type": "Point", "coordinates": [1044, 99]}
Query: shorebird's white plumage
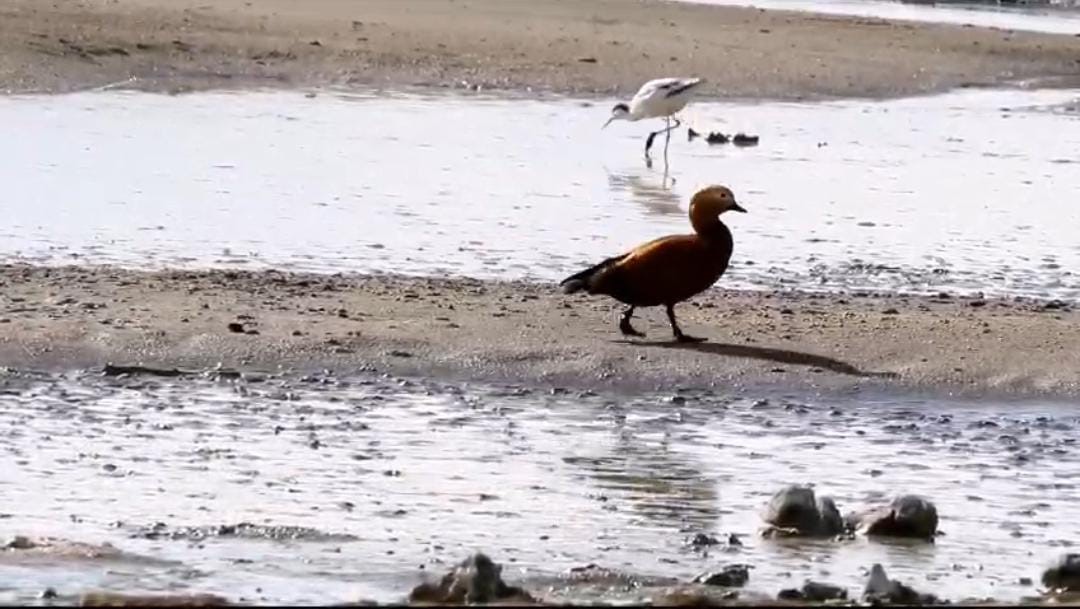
{"type": "Point", "coordinates": [658, 98]}
{"type": "Point", "coordinates": [661, 97]}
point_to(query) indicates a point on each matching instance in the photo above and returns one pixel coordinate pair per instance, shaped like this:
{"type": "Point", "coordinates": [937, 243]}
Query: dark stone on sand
{"type": "Point", "coordinates": [1064, 575]}
{"type": "Point", "coordinates": [236, 327]}
{"type": "Point", "coordinates": [905, 516]}
{"type": "Point", "coordinates": [813, 592]}
{"type": "Point", "coordinates": [477, 579]}
{"type": "Point", "coordinates": [695, 597]}
{"type": "Point", "coordinates": [796, 511]}
{"type": "Point", "coordinates": [20, 542]}
{"type": "Point", "coordinates": [880, 590]}
{"type": "Point", "coordinates": [731, 576]}
{"type": "Point", "coordinates": [117, 370]}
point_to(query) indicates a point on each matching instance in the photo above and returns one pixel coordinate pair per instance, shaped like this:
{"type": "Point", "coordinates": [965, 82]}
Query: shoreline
{"type": "Point", "coordinates": [592, 48]}
{"type": "Point", "coordinates": [62, 318]}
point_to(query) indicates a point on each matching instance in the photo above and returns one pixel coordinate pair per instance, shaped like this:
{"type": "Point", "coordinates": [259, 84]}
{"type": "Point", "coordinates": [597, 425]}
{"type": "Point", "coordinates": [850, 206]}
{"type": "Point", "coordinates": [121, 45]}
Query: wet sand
{"type": "Point", "coordinates": [56, 318]}
{"type": "Point", "coordinates": [581, 47]}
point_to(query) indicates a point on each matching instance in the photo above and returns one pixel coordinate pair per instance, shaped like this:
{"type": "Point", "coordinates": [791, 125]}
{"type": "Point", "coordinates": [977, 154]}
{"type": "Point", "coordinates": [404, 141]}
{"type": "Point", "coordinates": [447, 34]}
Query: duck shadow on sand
{"type": "Point", "coordinates": [782, 356]}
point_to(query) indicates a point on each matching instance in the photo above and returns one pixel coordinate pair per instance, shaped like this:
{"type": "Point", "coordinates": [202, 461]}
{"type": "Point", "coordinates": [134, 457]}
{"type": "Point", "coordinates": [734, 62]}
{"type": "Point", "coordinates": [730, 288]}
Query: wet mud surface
{"type": "Point", "coordinates": [175, 323]}
{"type": "Point", "coordinates": [319, 488]}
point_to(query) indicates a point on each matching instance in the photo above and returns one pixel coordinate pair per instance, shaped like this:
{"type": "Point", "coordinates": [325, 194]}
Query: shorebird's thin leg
{"type": "Point", "coordinates": [669, 129]}
{"type": "Point", "coordinates": [667, 137]}
{"type": "Point", "coordinates": [624, 324]}
{"type": "Point", "coordinates": [679, 336]}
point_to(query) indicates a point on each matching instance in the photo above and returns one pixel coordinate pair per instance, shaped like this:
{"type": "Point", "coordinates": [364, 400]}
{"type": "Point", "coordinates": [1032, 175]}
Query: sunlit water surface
{"type": "Point", "coordinates": [397, 478]}
{"type": "Point", "coordinates": [970, 191]}
{"type": "Point", "coordinates": [1049, 19]}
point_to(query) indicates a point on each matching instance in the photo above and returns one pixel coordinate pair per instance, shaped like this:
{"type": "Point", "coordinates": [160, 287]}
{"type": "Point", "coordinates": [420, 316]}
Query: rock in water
{"type": "Point", "coordinates": [732, 576]}
{"type": "Point", "coordinates": [905, 516]}
{"type": "Point", "coordinates": [817, 592]}
{"type": "Point", "coordinates": [796, 510]}
{"type": "Point", "coordinates": [882, 590]}
{"type": "Point", "coordinates": [1065, 575]}
{"type": "Point", "coordinates": [476, 579]}
{"type": "Point", "coordinates": [813, 592]}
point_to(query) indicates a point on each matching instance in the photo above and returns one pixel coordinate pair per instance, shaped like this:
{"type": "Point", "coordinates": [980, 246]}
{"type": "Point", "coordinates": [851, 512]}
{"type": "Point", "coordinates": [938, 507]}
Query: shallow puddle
{"type": "Point", "coordinates": [373, 482]}
{"type": "Point", "coordinates": [970, 191]}
{"type": "Point", "coordinates": [1048, 19]}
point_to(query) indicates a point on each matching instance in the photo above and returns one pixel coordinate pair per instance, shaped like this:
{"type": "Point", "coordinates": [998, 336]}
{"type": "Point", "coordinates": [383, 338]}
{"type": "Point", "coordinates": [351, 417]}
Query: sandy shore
{"type": "Point", "coordinates": [530, 333]}
{"type": "Point", "coordinates": [589, 47]}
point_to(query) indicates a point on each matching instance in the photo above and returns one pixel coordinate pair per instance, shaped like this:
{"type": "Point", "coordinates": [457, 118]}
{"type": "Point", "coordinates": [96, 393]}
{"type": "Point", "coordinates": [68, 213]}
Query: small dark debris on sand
{"type": "Point", "coordinates": [477, 579]}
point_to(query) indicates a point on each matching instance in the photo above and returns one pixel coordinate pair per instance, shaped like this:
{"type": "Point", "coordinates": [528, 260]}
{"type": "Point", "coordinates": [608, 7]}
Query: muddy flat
{"type": "Point", "coordinates": [70, 317]}
{"type": "Point", "coordinates": [583, 47]}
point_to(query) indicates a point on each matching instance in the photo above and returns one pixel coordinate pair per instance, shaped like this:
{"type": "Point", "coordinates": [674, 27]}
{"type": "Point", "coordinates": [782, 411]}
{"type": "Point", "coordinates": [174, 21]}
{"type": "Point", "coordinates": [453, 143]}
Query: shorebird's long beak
{"type": "Point", "coordinates": [737, 207]}
{"type": "Point", "coordinates": [608, 122]}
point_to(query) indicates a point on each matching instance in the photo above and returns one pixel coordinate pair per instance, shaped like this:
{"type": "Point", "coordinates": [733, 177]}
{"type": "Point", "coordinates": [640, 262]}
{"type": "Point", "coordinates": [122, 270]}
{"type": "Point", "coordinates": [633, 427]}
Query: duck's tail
{"type": "Point", "coordinates": [576, 282]}
{"type": "Point", "coordinates": [584, 279]}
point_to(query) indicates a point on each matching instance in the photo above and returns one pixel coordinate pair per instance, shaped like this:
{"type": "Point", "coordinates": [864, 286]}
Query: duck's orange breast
{"type": "Point", "coordinates": [665, 271]}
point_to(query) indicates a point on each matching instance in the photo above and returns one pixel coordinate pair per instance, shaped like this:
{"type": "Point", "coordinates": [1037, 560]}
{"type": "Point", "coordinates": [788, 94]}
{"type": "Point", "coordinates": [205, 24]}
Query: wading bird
{"type": "Point", "coordinates": [660, 98]}
{"type": "Point", "coordinates": [668, 270]}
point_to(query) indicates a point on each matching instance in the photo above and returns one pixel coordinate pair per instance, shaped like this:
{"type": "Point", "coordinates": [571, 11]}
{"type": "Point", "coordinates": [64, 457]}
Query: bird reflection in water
{"type": "Point", "coordinates": [667, 487]}
{"type": "Point", "coordinates": [657, 196]}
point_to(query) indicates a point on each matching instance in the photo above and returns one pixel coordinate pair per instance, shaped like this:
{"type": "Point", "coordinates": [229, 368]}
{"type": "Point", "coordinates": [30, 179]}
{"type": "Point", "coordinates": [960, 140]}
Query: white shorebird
{"type": "Point", "coordinates": [658, 98]}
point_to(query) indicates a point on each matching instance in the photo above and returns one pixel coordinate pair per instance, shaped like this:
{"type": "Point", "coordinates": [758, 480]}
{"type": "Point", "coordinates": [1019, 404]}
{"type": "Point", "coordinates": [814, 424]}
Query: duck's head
{"type": "Point", "coordinates": [713, 201]}
{"type": "Point", "coordinates": [620, 111]}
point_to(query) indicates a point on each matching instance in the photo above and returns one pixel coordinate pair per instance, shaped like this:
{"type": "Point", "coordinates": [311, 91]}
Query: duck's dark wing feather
{"type": "Point", "coordinates": [583, 280]}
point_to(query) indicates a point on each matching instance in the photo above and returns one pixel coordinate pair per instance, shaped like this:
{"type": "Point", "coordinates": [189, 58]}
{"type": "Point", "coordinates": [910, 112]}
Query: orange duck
{"type": "Point", "coordinates": [668, 270]}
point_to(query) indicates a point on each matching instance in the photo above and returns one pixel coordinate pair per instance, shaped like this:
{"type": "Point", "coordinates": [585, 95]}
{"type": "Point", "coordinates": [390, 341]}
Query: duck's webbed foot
{"type": "Point", "coordinates": [626, 328]}
{"type": "Point", "coordinates": [679, 336]}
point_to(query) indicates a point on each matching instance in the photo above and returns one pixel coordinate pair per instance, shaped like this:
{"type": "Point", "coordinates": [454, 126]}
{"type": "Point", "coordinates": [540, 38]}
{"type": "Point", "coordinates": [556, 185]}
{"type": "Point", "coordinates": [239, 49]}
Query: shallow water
{"type": "Point", "coordinates": [398, 478]}
{"type": "Point", "coordinates": [1031, 18]}
{"type": "Point", "coordinates": [970, 191]}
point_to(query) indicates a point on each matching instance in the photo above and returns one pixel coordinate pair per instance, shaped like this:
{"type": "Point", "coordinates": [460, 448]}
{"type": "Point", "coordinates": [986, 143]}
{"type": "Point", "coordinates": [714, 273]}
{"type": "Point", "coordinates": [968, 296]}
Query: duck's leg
{"type": "Point", "coordinates": [679, 336]}
{"type": "Point", "coordinates": [624, 324]}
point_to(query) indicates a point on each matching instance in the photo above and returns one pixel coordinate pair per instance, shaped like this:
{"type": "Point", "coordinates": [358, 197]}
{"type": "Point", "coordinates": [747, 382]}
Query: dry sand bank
{"type": "Point", "coordinates": [79, 317]}
{"type": "Point", "coordinates": [586, 47]}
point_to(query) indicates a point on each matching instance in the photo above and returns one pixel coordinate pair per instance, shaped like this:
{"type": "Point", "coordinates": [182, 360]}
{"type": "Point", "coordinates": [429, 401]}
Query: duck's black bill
{"type": "Point", "coordinates": [737, 207]}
